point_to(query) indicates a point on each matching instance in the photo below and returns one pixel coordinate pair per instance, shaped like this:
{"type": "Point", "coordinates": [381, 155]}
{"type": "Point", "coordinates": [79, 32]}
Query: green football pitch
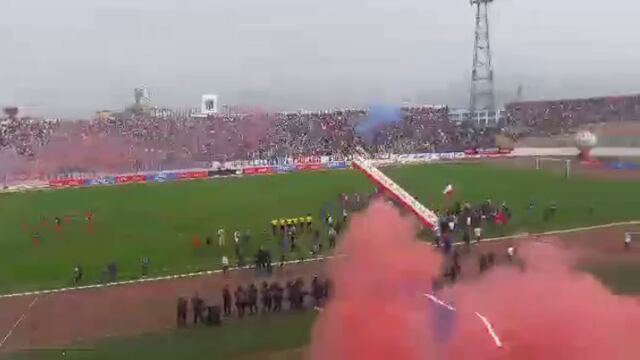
{"type": "Point", "coordinates": [160, 221]}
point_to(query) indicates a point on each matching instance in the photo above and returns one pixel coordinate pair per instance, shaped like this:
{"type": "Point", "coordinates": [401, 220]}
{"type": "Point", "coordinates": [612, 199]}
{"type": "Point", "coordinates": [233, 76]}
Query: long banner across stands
{"type": "Point", "coordinates": [193, 175]}
{"type": "Point", "coordinates": [391, 159]}
{"type": "Point", "coordinates": [246, 170]}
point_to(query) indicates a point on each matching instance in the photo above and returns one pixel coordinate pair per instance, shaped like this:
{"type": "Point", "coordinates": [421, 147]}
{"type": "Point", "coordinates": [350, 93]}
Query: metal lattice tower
{"type": "Point", "coordinates": [482, 94]}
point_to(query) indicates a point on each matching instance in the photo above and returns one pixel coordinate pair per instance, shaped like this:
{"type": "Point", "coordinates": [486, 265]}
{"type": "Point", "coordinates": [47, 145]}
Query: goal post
{"type": "Point", "coordinates": [557, 164]}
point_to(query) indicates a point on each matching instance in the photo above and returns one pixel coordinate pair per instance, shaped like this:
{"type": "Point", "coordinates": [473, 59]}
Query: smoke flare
{"type": "Point", "coordinates": [546, 311]}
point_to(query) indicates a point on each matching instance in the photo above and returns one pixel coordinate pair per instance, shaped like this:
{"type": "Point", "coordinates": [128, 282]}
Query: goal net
{"type": "Point", "coordinates": [555, 165]}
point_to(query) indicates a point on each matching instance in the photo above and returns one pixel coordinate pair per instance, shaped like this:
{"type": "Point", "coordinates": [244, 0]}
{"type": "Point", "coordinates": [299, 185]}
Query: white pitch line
{"type": "Point", "coordinates": [15, 326]}
{"type": "Point", "coordinates": [489, 327]}
{"type": "Point", "coordinates": [556, 232]}
{"type": "Point", "coordinates": [211, 272]}
{"type": "Point", "coordinates": [159, 278]}
{"type": "Point", "coordinates": [486, 322]}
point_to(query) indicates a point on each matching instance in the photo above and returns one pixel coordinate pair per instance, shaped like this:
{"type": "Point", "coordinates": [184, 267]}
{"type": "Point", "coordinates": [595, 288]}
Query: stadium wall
{"type": "Point", "coordinates": [257, 168]}
{"type": "Point", "coordinates": [193, 174]}
{"type": "Point", "coordinates": [243, 168]}
{"type": "Point", "coordinates": [254, 168]}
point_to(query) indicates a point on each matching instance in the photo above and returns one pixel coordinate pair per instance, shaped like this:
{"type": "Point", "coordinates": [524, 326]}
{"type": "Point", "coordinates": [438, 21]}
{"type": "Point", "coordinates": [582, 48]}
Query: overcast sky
{"type": "Point", "coordinates": [72, 57]}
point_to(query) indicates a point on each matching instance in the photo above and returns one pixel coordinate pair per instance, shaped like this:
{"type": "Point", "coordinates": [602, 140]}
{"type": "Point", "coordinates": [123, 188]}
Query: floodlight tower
{"type": "Point", "coordinates": [482, 94]}
{"type": "Point", "coordinates": [141, 94]}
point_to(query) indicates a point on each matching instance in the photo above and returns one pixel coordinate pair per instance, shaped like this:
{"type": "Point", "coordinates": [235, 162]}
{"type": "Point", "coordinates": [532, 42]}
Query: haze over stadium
{"type": "Point", "coordinates": [446, 178]}
{"type": "Point", "coordinates": [313, 56]}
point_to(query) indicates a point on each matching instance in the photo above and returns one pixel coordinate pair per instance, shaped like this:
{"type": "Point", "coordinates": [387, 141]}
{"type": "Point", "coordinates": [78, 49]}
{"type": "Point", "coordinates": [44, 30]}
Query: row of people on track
{"type": "Point", "coordinates": [249, 300]}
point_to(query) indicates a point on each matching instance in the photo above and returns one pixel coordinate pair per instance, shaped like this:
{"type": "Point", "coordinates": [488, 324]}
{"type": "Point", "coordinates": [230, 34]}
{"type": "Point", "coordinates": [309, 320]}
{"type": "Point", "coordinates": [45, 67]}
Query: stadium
{"type": "Point", "coordinates": [507, 229]}
{"type": "Point", "coordinates": [173, 218]}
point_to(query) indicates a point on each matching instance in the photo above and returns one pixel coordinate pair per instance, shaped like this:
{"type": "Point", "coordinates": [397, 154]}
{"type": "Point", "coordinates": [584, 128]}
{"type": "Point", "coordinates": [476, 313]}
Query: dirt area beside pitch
{"type": "Point", "coordinates": [83, 316]}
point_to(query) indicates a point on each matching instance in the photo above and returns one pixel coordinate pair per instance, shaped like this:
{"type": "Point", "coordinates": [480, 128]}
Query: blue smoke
{"type": "Point", "coordinates": [379, 115]}
{"type": "Point", "coordinates": [443, 323]}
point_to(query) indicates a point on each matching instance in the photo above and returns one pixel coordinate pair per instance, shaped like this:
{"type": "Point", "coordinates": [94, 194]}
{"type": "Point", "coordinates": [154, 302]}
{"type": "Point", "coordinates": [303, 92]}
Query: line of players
{"type": "Point", "coordinates": [289, 230]}
{"type": "Point", "coordinates": [249, 301]}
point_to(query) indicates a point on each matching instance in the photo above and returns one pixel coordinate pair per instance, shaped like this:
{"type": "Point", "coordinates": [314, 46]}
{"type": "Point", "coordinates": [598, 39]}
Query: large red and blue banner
{"type": "Point", "coordinates": [131, 179]}
{"type": "Point", "coordinates": [258, 170]}
{"type": "Point", "coordinates": [63, 183]}
{"type": "Point", "coordinates": [307, 164]}
{"type": "Point", "coordinates": [192, 175]}
{"type": "Point", "coordinates": [309, 167]}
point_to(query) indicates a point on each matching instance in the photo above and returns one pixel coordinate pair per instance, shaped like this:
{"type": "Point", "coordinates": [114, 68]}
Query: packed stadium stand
{"type": "Point", "coordinates": [547, 118]}
{"type": "Point", "coordinates": [25, 135]}
{"type": "Point", "coordinates": [146, 141]}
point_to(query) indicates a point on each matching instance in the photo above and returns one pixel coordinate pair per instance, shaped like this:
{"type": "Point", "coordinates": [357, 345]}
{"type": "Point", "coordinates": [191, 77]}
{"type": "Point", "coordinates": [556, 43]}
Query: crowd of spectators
{"type": "Point", "coordinates": [253, 136]}
{"type": "Point", "coordinates": [310, 134]}
{"type": "Point", "coordinates": [25, 136]}
{"type": "Point", "coordinates": [154, 143]}
{"type": "Point", "coordinates": [558, 117]}
{"type": "Point", "coordinates": [428, 129]}
{"type": "Point", "coordinates": [175, 140]}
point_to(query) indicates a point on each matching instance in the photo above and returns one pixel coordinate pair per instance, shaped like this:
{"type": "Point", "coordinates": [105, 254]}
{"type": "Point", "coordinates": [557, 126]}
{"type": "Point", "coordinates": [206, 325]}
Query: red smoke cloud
{"type": "Point", "coordinates": [548, 311]}
{"type": "Point", "coordinates": [377, 310]}
{"type": "Point", "coordinates": [254, 128]}
{"type": "Point", "coordinates": [97, 153]}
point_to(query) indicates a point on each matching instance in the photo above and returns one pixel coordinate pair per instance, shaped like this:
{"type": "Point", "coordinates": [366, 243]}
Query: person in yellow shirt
{"type": "Point", "coordinates": [283, 225]}
{"type": "Point", "coordinates": [274, 226]}
{"type": "Point", "coordinates": [301, 221]}
{"type": "Point", "coordinates": [309, 222]}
